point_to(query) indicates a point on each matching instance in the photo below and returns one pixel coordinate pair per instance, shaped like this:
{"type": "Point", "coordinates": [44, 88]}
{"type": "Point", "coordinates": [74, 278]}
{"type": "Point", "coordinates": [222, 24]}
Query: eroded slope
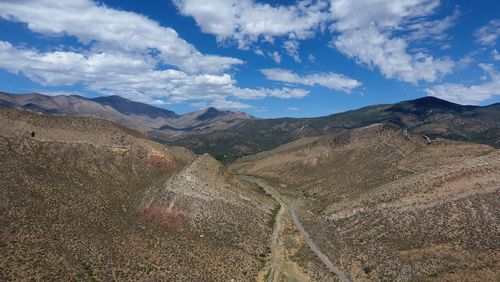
{"type": "Point", "coordinates": [73, 191]}
{"type": "Point", "coordinates": [388, 205]}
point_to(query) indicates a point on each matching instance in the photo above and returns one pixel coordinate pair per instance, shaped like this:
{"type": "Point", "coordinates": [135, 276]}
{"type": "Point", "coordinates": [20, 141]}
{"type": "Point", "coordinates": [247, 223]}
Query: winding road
{"type": "Point", "coordinates": [277, 258]}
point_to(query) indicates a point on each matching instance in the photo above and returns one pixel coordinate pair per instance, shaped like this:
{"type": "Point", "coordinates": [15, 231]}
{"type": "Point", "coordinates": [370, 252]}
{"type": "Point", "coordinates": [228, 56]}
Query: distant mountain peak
{"type": "Point", "coordinates": [128, 107]}
{"type": "Point", "coordinates": [211, 113]}
{"type": "Point", "coordinates": [427, 105]}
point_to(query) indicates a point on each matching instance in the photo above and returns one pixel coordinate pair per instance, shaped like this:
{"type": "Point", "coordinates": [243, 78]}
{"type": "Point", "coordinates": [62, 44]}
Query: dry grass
{"type": "Point", "coordinates": [386, 205]}
{"type": "Point", "coordinates": [72, 209]}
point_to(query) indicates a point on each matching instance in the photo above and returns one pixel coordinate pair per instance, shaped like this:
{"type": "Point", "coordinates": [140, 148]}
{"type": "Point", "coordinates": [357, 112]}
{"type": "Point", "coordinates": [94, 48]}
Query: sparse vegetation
{"type": "Point", "coordinates": [166, 219]}
{"type": "Point", "coordinates": [391, 199]}
{"type": "Point", "coordinates": [73, 207]}
{"type": "Point", "coordinates": [274, 213]}
{"type": "Point", "coordinates": [428, 115]}
{"type": "Point", "coordinates": [83, 199]}
{"type": "Point", "coordinates": [227, 158]}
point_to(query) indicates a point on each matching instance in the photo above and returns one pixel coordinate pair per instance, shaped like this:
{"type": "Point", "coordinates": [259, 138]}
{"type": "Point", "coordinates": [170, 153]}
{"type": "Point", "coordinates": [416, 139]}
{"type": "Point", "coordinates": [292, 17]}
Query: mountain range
{"type": "Point", "coordinates": [231, 134]}
{"type": "Point", "coordinates": [156, 122]}
{"type": "Point", "coordinates": [375, 194]}
{"type": "Point", "coordinates": [429, 116]}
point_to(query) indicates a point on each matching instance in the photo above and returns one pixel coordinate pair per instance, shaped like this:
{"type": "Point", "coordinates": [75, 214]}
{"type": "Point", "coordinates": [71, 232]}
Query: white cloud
{"type": "Point", "coordinates": [330, 80]}
{"type": "Point", "coordinates": [282, 93]}
{"type": "Point", "coordinates": [376, 33]}
{"type": "Point", "coordinates": [469, 94]}
{"type": "Point", "coordinates": [496, 55]}
{"type": "Point", "coordinates": [221, 104]}
{"type": "Point", "coordinates": [246, 21]}
{"type": "Point", "coordinates": [131, 77]}
{"type": "Point", "coordinates": [67, 68]}
{"type": "Point", "coordinates": [109, 29]}
{"type": "Point", "coordinates": [259, 52]}
{"type": "Point", "coordinates": [466, 61]}
{"type": "Point", "coordinates": [488, 34]}
{"type": "Point", "coordinates": [311, 58]}
{"type": "Point", "coordinates": [432, 29]}
{"type": "Point", "coordinates": [292, 49]}
{"type": "Point", "coordinates": [292, 108]}
{"type": "Point", "coordinates": [275, 56]}
{"type": "Point", "coordinates": [366, 33]}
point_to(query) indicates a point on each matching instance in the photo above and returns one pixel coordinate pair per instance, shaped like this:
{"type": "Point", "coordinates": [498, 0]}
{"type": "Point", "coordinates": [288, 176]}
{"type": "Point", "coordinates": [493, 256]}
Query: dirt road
{"type": "Point", "coordinates": [277, 258]}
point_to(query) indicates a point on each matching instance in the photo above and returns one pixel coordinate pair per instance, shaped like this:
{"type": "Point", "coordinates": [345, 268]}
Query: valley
{"type": "Point", "coordinates": [422, 215]}
{"type": "Point", "coordinates": [251, 140]}
{"type": "Point", "coordinates": [277, 271]}
{"type": "Point", "coordinates": [86, 199]}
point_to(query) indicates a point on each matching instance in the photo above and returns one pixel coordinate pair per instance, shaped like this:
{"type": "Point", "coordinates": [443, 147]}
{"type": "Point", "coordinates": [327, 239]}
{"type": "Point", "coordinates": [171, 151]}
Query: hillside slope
{"type": "Point", "coordinates": [73, 193]}
{"type": "Point", "coordinates": [158, 123]}
{"type": "Point", "coordinates": [388, 205]}
{"type": "Point", "coordinates": [232, 134]}
{"type": "Point", "coordinates": [429, 116]}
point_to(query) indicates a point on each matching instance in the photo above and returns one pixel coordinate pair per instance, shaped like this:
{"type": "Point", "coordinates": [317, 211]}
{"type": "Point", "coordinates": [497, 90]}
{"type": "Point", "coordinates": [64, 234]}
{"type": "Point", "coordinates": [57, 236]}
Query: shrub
{"type": "Point", "coordinates": [164, 218]}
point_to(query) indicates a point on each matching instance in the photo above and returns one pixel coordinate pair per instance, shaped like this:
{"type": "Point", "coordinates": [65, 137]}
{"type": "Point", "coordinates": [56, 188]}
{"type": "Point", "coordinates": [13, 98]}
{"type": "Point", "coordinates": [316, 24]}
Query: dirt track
{"type": "Point", "coordinates": [287, 209]}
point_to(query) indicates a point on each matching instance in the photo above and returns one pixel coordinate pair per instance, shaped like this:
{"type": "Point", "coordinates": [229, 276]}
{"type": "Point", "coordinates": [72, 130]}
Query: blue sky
{"type": "Point", "coordinates": [267, 58]}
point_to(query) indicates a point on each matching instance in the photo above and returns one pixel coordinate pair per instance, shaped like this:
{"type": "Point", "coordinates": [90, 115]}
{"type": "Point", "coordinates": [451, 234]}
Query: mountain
{"type": "Point", "coordinates": [73, 105]}
{"type": "Point", "coordinates": [232, 134]}
{"type": "Point", "coordinates": [429, 116]}
{"type": "Point", "coordinates": [128, 107]}
{"type": "Point", "coordinates": [85, 199]}
{"type": "Point", "coordinates": [198, 123]}
{"type": "Point", "coordinates": [385, 204]}
{"type": "Point", "coordinates": [161, 124]}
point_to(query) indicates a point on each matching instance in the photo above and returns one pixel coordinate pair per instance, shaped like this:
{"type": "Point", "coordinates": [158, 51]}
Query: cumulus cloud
{"type": "Point", "coordinates": [246, 21]}
{"type": "Point", "coordinates": [126, 53]}
{"type": "Point", "coordinates": [374, 33]}
{"type": "Point", "coordinates": [488, 34]}
{"type": "Point", "coordinates": [470, 94]}
{"type": "Point", "coordinates": [332, 81]}
{"type": "Point", "coordinates": [109, 29]}
{"type": "Point", "coordinates": [366, 33]}
{"type": "Point", "coordinates": [132, 77]}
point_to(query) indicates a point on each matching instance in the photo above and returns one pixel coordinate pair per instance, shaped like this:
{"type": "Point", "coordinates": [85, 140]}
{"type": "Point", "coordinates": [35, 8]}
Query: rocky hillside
{"type": "Point", "coordinates": [385, 204]}
{"type": "Point", "coordinates": [232, 134]}
{"type": "Point", "coordinates": [84, 199]}
{"type": "Point", "coordinates": [430, 116]}
{"type": "Point", "coordinates": [221, 208]}
{"type": "Point", "coordinates": [161, 124]}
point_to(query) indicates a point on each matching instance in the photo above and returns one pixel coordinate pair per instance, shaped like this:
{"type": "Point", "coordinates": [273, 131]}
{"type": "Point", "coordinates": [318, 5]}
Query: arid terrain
{"type": "Point", "coordinates": [228, 135]}
{"type": "Point", "coordinates": [84, 199]}
{"type": "Point", "coordinates": [158, 123]}
{"type": "Point", "coordinates": [250, 140]}
{"type": "Point", "coordinates": [383, 204]}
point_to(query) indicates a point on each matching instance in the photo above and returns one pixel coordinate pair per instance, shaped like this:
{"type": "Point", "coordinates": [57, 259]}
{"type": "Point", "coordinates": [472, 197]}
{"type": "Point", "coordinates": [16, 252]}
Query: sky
{"type": "Point", "coordinates": [267, 58]}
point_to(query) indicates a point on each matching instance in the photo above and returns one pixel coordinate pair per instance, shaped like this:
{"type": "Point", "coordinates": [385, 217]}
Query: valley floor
{"type": "Point", "coordinates": [280, 267]}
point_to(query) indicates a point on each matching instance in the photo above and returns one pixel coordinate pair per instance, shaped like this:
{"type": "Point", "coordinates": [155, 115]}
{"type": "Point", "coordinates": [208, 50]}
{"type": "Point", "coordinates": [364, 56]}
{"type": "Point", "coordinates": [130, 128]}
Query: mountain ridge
{"type": "Point", "coordinates": [104, 202]}
{"type": "Point", "coordinates": [429, 116]}
{"type": "Point", "coordinates": [387, 204]}
{"type": "Point", "coordinates": [232, 134]}
{"type": "Point", "coordinates": [159, 123]}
